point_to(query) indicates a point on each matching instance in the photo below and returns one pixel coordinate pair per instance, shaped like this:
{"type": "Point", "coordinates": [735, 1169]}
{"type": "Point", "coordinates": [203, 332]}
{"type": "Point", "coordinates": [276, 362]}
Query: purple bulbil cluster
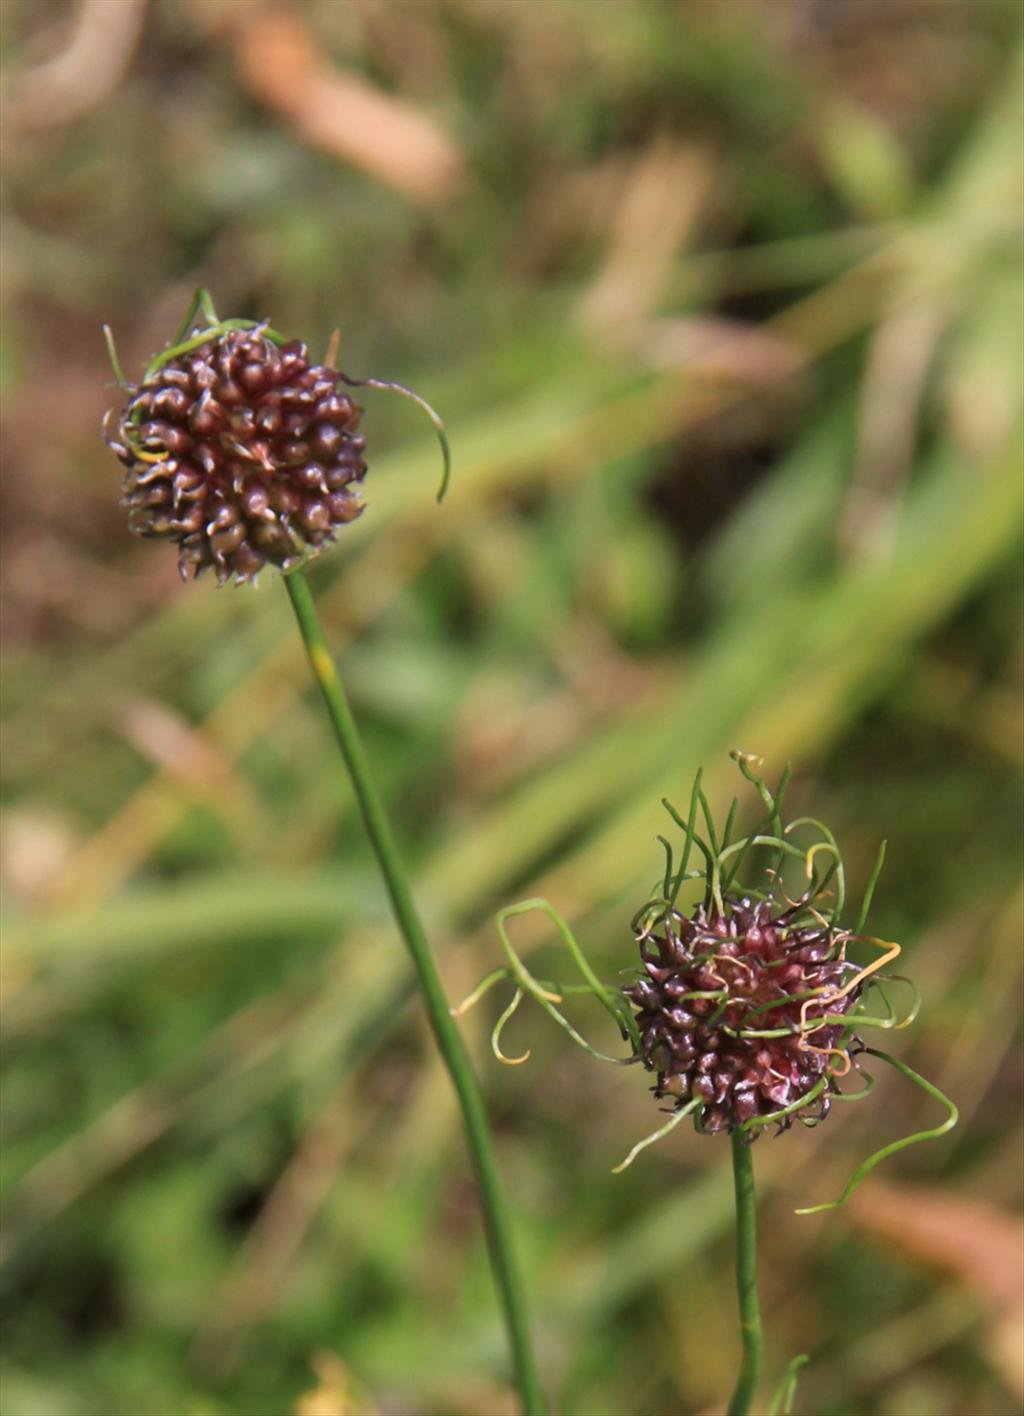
{"type": "Point", "coordinates": [243, 453]}
{"type": "Point", "coordinates": [711, 980]}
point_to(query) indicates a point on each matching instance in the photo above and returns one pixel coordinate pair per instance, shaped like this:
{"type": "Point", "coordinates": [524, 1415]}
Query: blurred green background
{"type": "Point", "coordinates": [722, 304]}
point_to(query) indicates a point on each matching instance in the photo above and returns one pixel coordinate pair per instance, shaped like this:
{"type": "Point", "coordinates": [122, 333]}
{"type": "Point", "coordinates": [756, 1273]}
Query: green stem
{"type": "Point", "coordinates": [449, 1039]}
{"type": "Point", "coordinates": [746, 1274]}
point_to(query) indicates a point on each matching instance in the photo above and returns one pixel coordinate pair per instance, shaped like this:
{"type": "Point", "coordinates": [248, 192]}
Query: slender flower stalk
{"type": "Point", "coordinates": [446, 1033]}
{"type": "Point", "coordinates": [746, 1274]}
{"type": "Point", "coordinates": [245, 454]}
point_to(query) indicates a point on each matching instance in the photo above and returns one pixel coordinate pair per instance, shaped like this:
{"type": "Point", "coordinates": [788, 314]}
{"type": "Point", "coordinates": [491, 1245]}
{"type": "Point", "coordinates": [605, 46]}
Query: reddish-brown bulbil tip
{"type": "Point", "coordinates": [709, 979]}
{"type": "Point", "coordinates": [243, 453]}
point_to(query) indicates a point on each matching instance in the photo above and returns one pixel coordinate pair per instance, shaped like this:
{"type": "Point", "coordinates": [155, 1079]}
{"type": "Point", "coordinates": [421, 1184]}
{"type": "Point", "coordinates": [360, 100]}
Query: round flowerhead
{"type": "Point", "coordinates": [741, 1012]}
{"type": "Point", "coordinates": [240, 450]}
{"type": "Point", "coordinates": [745, 1005]}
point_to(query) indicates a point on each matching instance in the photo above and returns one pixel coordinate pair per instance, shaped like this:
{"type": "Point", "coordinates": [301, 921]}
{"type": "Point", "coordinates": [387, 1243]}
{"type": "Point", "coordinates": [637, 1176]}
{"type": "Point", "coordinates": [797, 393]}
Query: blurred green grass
{"type": "Point", "coordinates": [724, 315]}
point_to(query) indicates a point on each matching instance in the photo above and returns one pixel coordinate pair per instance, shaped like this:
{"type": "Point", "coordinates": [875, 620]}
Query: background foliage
{"type": "Point", "coordinates": [722, 304]}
